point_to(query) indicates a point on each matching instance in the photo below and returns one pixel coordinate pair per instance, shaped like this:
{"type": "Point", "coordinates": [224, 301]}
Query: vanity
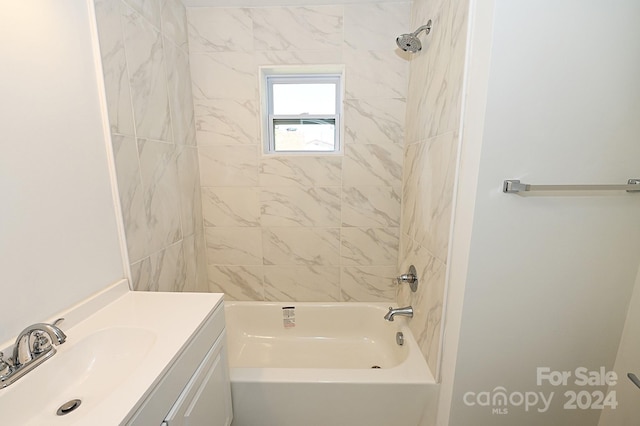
{"type": "Point", "coordinates": [130, 358]}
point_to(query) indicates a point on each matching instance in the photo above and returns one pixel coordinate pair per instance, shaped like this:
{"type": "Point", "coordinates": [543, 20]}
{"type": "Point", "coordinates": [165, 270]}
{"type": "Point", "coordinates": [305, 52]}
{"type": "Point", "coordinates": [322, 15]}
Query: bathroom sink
{"type": "Point", "coordinates": [88, 370]}
{"type": "Point", "coordinates": [119, 346]}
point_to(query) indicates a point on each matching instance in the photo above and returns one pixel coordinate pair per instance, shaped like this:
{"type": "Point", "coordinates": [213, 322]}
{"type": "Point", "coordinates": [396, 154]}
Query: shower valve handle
{"type": "Point", "coordinates": [410, 278]}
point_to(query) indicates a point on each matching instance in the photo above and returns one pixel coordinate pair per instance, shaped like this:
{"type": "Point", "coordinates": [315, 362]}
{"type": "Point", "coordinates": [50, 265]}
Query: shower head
{"type": "Point", "coordinates": [410, 42]}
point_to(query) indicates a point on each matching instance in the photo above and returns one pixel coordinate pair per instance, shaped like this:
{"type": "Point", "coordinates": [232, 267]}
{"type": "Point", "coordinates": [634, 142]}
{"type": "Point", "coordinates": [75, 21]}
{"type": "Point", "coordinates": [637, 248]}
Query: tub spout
{"type": "Point", "coordinates": [407, 311]}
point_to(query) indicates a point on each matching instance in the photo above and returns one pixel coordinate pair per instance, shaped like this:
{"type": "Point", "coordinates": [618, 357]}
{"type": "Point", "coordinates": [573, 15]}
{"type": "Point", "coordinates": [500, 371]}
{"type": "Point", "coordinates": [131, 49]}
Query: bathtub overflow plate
{"type": "Point", "coordinates": [400, 338]}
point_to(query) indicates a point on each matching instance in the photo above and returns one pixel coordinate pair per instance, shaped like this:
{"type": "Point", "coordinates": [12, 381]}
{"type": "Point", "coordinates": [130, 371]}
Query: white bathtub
{"type": "Point", "coordinates": [314, 368]}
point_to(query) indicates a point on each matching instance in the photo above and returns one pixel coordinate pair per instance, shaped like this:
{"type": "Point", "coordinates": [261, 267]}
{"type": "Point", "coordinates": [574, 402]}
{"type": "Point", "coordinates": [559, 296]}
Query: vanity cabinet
{"type": "Point", "coordinates": [195, 391]}
{"type": "Point", "coordinates": [206, 400]}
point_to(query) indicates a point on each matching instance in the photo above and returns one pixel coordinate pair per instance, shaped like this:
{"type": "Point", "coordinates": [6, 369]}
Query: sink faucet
{"type": "Point", "coordinates": [407, 311]}
{"type": "Point", "coordinates": [24, 351]}
{"type": "Point", "coordinates": [33, 346]}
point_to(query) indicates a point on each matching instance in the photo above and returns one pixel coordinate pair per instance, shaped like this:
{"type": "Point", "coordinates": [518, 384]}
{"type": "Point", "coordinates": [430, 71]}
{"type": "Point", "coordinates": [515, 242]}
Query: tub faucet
{"type": "Point", "coordinates": [407, 311]}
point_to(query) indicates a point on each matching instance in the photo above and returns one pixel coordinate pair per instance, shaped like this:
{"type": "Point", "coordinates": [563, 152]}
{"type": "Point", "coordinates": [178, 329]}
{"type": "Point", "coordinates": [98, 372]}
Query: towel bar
{"type": "Point", "coordinates": [514, 186]}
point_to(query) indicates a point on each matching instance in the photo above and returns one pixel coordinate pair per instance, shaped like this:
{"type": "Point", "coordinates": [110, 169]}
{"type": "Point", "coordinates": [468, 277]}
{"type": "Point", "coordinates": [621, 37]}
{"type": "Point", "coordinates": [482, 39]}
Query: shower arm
{"type": "Point", "coordinates": [426, 28]}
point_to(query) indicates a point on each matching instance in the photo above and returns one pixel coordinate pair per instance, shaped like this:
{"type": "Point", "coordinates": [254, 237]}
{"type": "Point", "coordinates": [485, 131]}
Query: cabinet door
{"type": "Point", "coordinates": [206, 400]}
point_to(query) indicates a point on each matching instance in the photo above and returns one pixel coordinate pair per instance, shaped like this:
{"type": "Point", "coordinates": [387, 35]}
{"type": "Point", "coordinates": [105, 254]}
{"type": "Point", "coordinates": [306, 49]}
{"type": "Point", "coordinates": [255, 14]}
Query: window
{"type": "Point", "coordinates": [303, 113]}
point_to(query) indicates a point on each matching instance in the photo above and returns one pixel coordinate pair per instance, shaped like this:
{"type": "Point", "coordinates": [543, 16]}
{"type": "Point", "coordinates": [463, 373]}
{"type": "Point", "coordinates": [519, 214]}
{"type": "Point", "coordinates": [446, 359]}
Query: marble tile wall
{"type": "Point", "coordinates": [300, 228]}
{"type": "Point", "coordinates": [430, 154]}
{"type": "Point", "coordinates": [144, 49]}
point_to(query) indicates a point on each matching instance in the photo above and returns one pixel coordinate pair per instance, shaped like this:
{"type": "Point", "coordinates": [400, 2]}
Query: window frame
{"type": "Point", "coordinates": [270, 119]}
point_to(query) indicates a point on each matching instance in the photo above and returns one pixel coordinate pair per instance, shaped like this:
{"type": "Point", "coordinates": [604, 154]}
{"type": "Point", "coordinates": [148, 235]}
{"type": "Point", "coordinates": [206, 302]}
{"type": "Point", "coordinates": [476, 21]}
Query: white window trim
{"type": "Point", "coordinates": [269, 118]}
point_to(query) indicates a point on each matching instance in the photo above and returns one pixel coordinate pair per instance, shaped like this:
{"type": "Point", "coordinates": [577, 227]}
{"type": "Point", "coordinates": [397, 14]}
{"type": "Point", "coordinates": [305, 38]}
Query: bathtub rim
{"type": "Point", "coordinates": [413, 370]}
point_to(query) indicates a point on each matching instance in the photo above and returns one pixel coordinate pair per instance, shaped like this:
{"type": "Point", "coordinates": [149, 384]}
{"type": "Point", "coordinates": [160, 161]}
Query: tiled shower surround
{"type": "Point", "coordinates": [300, 228]}
{"type": "Point", "coordinates": [145, 60]}
{"type": "Point", "coordinates": [430, 157]}
{"type": "Point", "coordinates": [286, 228]}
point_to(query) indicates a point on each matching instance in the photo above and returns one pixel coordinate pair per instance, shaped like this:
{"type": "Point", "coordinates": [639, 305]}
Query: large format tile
{"type": "Point", "coordinates": [131, 193]}
{"type": "Point", "coordinates": [168, 270]}
{"type": "Point", "coordinates": [372, 26]}
{"type": "Point", "coordinates": [368, 284]}
{"type": "Point", "coordinates": [141, 275]}
{"type": "Point", "coordinates": [162, 271]}
{"type": "Point", "coordinates": [174, 22]}
{"type": "Point", "coordinates": [413, 155]}
{"type": "Point", "coordinates": [231, 206]}
{"type": "Point", "coordinates": [189, 188]}
{"type": "Point", "coordinates": [374, 206]}
{"type": "Point", "coordinates": [215, 29]}
{"type": "Point", "coordinates": [299, 57]}
{"type": "Point", "coordinates": [227, 122]}
{"type": "Point", "coordinates": [237, 282]}
{"type": "Point", "coordinates": [375, 74]}
{"type": "Point", "coordinates": [228, 165]}
{"type": "Point", "coordinates": [294, 206]}
{"type": "Point", "coordinates": [295, 171]}
{"type": "Point", "coordinates": [374, 121]}
{"type": "Point", "coordinates": [436, 76]}
{"type": "Point", "coordinates": [148, 81]}
{"type": "Point", "coordinates": [149, 9]}
{"type": "Point", "coordinates": [301, 283]}
{"type": "Point", "coordinates": [190, 247]}
{"type": "Point", "coordinates": [301, 246]}
{"type": "Point", "coordinates": [369, 246]}
{"type": "Point", "coordinates": [428, 192]}
{"type": "Point", "coordinates": [114, 66]}
{"type": "Point", "coordinates": [180, 99]}
{"type": "Point", "coordinates": [224, 75]}
{"type": "Point", "coordinates": [427, 301]}
{"type": "Point", "coordinates": [234, 246]}
{"type": "Point", "coordinates": [161, 192]}
{"type": "Point", "coordinates": [297, 28]}
{"type": "Point", "coordinates": [202, 283]}
{"type": "Point", "coordinates": [300, 206]}
{"type": "Point", "coordinates": [372, 165]}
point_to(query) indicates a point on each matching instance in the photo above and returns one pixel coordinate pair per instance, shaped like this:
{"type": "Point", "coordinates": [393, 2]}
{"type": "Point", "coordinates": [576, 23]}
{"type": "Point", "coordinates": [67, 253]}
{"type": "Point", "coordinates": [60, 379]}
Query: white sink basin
{"type": "Point", "coordinates": [119, 345]}
{"type": "Point", "coordinates": [88, 370]}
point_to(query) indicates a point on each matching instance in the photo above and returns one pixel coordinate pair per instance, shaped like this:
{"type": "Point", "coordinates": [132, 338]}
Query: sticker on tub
{"type": "Point", "coordinates": [289, 316]}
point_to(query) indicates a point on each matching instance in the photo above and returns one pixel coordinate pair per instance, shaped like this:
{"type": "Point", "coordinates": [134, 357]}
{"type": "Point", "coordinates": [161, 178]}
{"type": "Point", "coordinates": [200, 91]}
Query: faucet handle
{"type": "Point", "coordinates": [410, 278]}
{"type": "Point", "coordinates": [5, 367]}
{"type": "Point", "coordinates": [40, 342]}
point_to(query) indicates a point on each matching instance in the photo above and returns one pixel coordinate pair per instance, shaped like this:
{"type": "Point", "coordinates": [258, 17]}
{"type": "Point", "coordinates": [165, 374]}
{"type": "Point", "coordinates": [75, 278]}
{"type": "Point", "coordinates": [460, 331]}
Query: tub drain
{"type": "Point", "coordinates": [375, 366]}
{"type": "Point", "coordinates": [68, 407]}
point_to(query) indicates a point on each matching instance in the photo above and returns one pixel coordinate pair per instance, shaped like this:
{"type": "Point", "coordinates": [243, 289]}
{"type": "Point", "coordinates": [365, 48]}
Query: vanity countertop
{"type": "Point", "coordinates": [120, 343]}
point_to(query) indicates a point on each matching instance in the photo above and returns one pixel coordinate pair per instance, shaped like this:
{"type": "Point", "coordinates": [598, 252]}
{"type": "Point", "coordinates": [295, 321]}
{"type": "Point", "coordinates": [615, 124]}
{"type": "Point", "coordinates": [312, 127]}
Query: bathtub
{"type": "Point", "coordinates": [321, 364]}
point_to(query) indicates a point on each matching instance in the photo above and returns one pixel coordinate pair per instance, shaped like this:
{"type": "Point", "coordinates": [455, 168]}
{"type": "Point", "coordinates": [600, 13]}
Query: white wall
{"type": "Point", "coordinates": [628, 411]}
{"type": "Point", "coordinates": [58, 234]}
{"type": "Point", "coordinates": [549, 278]}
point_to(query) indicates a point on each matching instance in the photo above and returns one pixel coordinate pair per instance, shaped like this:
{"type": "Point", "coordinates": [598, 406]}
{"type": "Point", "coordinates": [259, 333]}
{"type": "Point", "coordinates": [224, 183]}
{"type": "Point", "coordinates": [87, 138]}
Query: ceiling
{"type": "Point", "coordinates": [265, 3]}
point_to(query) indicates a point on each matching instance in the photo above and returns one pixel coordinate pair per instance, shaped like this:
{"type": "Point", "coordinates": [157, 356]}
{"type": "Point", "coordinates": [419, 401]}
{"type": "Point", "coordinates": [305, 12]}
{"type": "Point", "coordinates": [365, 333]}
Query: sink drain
{"type": "Point", "coordinates": [68, 407]}
{"type": "Point", "coordinates": [375, 366]}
